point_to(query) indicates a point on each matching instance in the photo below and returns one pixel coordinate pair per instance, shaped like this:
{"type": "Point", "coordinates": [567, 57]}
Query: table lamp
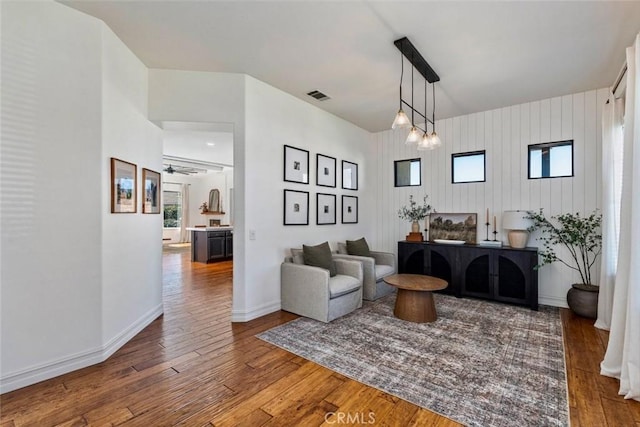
{"type": "Point", "coordinates": [517, 223]}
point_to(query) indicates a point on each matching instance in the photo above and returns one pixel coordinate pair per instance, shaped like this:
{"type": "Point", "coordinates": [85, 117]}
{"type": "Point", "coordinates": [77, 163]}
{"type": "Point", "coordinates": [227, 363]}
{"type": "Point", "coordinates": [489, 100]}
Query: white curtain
{"type": "Point", "coordinates": [612, 145]}
{"type": "Point", "coordinates": [622, 359]}
{"type": "Point", "coordinates": [185, 235]}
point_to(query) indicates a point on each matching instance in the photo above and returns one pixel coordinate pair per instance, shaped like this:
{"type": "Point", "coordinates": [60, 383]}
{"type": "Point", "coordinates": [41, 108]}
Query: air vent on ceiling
{"type": "Point", "coordinates": [318, 95]}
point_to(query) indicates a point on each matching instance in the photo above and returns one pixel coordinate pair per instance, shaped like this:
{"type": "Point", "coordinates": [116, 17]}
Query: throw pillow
{"type": "Point", "coordinates": [319, 256]}
{"type": "Point", "coordinates": [358, 247]}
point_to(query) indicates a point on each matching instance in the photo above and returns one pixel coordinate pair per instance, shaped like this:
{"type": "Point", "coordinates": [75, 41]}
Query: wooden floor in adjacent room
{"type": "Point", "coordinates": [193, 367]}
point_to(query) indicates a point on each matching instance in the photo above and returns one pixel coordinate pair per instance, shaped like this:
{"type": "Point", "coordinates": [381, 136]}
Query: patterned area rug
{"type": "Point", "coordinates": [480, 363]}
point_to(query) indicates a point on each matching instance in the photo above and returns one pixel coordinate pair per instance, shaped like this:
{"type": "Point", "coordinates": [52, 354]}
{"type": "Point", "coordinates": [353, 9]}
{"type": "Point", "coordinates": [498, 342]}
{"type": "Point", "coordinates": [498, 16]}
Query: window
{"type": "Point", "coordinates": [172, 208]}
{"type": "Point", "coordinates": [407, 173]}
{"type": "Point", "coordinates": [468, 167]}
{"type": "Point", "coordinates": [551, 160]}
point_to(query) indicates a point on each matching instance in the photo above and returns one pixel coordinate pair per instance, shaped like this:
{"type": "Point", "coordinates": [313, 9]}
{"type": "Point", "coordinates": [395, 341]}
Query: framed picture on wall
{"type": "Point", "coordinates": [296, 165]}
{"type": "Point", "coordinates": [325, 171]}
{"type": "Point", "coordinates": [453, 226]}
{"type": "Point", "coordinates": [123, 186]}
{"type": "Point", "coordinates": [296, 207]}
{"type": "Point", "coordinates": [349, 210]}
{"type": "Point", "coordinates": [349, 175]}
{"type": "Point", "coordinates": [151, 191]}
{"type": "Point", "coordinates": [326, 209]}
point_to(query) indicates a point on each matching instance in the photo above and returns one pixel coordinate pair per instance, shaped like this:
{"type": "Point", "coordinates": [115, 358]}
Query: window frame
{"type": "Point", "coordinates": [549, 145]}
{"type": "Point", "coordinates": [469, 154]}
{"type": "Point", "coordinates": [164, 204]}
{"type": "Point", "coordinates": [395, 173]}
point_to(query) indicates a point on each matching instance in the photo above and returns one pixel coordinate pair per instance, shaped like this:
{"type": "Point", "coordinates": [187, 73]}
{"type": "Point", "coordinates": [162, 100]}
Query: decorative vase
{"type": "Point", "coordinates": [415, 227]}
{"type": "Point", "coordinates": [583, 300]}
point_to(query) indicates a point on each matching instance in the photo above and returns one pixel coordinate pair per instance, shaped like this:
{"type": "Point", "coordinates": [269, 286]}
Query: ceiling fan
{"type": "Point", "coordinates": [180, 169]}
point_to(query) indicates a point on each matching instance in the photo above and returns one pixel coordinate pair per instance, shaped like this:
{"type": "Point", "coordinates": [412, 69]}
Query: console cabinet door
{"type": "Point", "coordinates": [440, 262]}
{"type": "Point", "coordinates": [411, 258]}
{"type": "Point", "coordinates": [229, 244]}
{"type": "Point", "coordinates": [477, 273]}
{"type": "Point", "coordinates": [513, 278]}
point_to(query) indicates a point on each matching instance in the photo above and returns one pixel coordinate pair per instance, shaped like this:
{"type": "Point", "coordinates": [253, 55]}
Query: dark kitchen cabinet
{"type": "Point", "coordinates": [211, 246]}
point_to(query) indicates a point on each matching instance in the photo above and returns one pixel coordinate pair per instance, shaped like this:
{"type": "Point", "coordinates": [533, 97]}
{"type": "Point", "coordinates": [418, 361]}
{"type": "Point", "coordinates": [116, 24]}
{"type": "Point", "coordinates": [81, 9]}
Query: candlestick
{"type": "Point", "coordinates": [494, 223]}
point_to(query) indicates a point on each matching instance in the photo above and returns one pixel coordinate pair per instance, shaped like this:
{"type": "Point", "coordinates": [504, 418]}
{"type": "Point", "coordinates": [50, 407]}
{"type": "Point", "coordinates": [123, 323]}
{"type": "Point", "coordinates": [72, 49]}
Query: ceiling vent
{"type": "Point", "coordinates": [318, 95]}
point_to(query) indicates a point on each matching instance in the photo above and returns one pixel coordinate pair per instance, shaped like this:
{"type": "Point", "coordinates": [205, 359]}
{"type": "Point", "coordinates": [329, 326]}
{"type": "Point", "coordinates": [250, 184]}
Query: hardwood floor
{"type": "Point", "coordinates": [192, 367]}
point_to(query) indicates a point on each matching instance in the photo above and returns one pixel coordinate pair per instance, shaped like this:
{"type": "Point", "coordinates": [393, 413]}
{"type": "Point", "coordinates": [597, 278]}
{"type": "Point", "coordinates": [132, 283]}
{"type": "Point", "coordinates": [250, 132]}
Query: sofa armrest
{"type": "Point", "coordinates": [304, 290]}
{"type": "Point", "coordinates": [368, 266]}
{"type": "Point", "coordinates": [384, 258]}
{"type": "Point", "coordinates": [348, 267]}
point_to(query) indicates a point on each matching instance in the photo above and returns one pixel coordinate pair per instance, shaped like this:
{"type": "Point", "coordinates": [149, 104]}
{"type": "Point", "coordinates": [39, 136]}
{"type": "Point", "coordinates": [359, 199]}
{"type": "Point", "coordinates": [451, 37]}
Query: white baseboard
{"type": "Point", "coordinates": [254, 313]}
{"type": "Point", "coordinates": [553, 301]}
{"type": "Point", "coordinates": [45, 371]}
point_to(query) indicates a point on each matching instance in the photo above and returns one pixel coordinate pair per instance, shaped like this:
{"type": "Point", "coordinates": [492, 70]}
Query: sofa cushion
{"type": "Point", "coordinates": [297, 256]}
{"type": "Point", "coordinates": [342, 248]}
{"type": "Point", "coordinates": [341, 285]}
{"type": "Point", "coordinates": [358, 247]}
{"type": "Point", "coordinates": [319, 256]}
{"type": "Point", "coordinates": [383, 271]}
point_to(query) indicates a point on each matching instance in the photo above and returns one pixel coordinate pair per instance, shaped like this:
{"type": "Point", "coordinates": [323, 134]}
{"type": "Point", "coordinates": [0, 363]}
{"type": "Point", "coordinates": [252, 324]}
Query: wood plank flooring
{"type": "Point", "coordinates": [193, 367]}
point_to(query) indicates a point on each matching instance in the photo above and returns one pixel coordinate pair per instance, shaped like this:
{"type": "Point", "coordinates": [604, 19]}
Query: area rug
{"type": "Point", "coordinates": [480, 363]}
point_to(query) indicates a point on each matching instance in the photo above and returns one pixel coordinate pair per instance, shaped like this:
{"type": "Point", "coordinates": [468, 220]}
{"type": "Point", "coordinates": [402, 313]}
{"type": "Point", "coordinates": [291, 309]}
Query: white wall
{"type": "Point", "coordinates": [62, 305]}
{"type": "Point", "coordinates": [505, 134]}
{"type": "Point", "coordinates": [264, 120]}
{"type": "Point", "coordinates": [131, 249]}
{"type": "Point", "coordinates": [273, 119]}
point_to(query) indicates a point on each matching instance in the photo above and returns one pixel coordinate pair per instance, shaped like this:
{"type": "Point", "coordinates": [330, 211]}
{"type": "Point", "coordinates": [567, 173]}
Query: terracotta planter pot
{"type": "Point", "coordinates": [583, 300]}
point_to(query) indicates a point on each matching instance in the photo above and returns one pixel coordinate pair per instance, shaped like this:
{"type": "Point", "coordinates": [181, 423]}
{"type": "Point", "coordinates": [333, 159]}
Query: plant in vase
{"type": "Point", "coordinates": [580, 235]}
{"type": "Point", "coordinates": [415, 212]}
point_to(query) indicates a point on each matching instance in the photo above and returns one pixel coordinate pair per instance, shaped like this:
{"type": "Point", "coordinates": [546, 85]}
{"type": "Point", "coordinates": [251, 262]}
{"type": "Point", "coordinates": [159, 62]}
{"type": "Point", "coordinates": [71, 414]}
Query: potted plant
{"type": "Point", "coordinates": [580, 235]}
{"type": "Point", "coordinates": [415, 213]}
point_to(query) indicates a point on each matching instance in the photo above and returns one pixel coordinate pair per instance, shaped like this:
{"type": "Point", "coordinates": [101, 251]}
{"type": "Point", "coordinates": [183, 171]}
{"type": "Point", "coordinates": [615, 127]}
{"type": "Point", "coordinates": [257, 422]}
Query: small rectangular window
{"type": "Point", "coordinates": [551, 160]}
{"type": "Point", "coordinates": [172, 207]}
{"type": "Point", "coordinates": [407, 173]}
{"type": "Point", "coordinates": [468, 167]}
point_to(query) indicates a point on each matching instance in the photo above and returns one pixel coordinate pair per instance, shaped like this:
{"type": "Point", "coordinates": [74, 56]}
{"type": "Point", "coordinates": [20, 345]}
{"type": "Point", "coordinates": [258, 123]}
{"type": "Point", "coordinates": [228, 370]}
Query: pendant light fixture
{"type": "Point", "coordinates": [435, 139]}
{"type": "Point", "coordinates": [417, 136]}
{"type": "Point", "coordinates": [401, 120]}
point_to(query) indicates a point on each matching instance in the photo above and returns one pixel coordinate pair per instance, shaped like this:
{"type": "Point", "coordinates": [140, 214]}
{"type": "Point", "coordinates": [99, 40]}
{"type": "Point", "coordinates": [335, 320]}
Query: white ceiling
{"type": "Point", "coordinates": [206, 142]}
{"type": "Point", "coordinates": [488, 54]}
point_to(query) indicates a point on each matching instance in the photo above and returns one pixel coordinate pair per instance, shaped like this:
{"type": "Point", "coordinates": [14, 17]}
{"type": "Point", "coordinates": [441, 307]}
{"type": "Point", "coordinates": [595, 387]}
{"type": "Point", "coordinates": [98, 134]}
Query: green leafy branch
{"type": "Point", "coordinates": [580, 235]}
{"type": "Point", "coordinates": [415, 212]}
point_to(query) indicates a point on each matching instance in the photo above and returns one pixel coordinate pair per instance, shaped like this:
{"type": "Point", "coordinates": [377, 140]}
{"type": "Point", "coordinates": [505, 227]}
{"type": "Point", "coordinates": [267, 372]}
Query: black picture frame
{"type": "Point", "coordinates": [349, 209]}
{"type": "Point", "coordinates": [325, 171]}
{"type": "Point", "coordinates": [296, 165]}
{"type": "Point", "coordinates": [325, 209]}
{"type": "Point", "coordinates": [349, 175]}
{"type": "Point", "coordinates": [295, 207]}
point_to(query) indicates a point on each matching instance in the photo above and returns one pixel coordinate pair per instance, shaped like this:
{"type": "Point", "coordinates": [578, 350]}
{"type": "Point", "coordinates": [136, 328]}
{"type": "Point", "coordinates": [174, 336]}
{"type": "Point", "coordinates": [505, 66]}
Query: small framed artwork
{"type": "Point", "coordinates": [325, 171]}
{"type": "Point", "coordinates": [349, 175]}
{"type": "Point", "coordinates": [326, 206]}
{"type": "Point", "coordinates": [123, 186]}
{"type": "Point", "coordinates": [349, 210]}
{"type": "Point", "coordinates": [296, 165]}
{"type": "Point", "coordinates": [453, 226]}
{"type": "Point", "coordinates": [296, 207]}
{"type": "Point", "coordinates": [151, 191]}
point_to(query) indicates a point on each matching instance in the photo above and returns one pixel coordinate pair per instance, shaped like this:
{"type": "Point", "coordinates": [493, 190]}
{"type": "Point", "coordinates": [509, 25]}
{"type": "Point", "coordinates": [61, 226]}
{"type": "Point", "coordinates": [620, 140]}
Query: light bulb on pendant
{"type": "Point", "coordinates": [425, 143]}
{"type": "Point", "coordinates": [401, 121]}
{"type": "Point", "coordinates": [435, 140]}
{"type": "Point", "coordinates": [414, 136]}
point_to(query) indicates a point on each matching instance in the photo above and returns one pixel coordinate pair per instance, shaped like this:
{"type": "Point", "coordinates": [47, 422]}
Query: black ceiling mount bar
{"type": "Point", "coordinates": [412, 54]}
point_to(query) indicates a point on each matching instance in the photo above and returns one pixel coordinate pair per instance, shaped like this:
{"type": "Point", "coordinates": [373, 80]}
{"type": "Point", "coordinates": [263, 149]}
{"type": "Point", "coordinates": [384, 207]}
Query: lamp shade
{"type": "Point", "coordinates": [401, 121]}
{"type": "Point", "coordinates": [516, 220]}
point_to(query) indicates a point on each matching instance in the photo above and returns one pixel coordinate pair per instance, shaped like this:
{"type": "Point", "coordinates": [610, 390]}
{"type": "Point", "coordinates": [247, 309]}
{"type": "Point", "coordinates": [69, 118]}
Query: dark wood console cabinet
{"type": "Point", "coordinates": [211, 246]}
{"type": "Point", "coordinates": [501, 274]}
